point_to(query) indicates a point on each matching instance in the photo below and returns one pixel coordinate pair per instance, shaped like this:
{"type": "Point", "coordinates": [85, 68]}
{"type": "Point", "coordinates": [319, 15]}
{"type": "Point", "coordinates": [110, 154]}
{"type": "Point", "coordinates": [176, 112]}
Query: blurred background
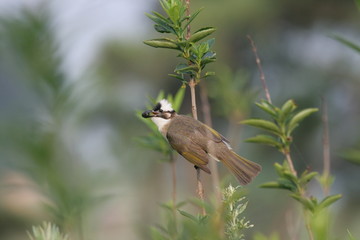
{"type": "Point", "coordinates": [73, 74]}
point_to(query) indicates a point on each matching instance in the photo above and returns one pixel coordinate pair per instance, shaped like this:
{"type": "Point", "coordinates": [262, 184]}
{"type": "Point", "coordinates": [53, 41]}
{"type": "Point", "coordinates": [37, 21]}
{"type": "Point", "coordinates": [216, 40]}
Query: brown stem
{"type": "Point", "coordinates": [258, 62]}
{"type": "Point", "coordinates": [308, 226]}
{"type": "Point", "coordinates": [200, 190]}
{"type": "Point", "coordinates": [207, 119]}
{"type": "Point", "coordinates": [187, 2]}
{"type": "Point", "coordinates": [173, 170]}
{"type": "Point", "coordinates": [326, 147]}
{"type": "Point", "coordinates": [290, 163]}
{"type": "Point", "coordinates": [192, 84]}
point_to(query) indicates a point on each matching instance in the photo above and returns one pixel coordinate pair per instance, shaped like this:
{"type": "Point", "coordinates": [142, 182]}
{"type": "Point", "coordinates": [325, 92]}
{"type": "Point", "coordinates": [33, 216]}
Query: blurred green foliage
{"type": "Point", "coordinates": [42, 113]}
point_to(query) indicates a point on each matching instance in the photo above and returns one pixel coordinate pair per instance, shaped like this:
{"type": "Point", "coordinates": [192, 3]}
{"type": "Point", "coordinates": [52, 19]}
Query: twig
{"type": "Point", "coordinates": [290, 163]}
{"type": "Point", "coordinates": [258, 62]}
{"type": "Point", "coordinates": [187, 2]}
{"type": "Point", "coordinates": [192, 84]}
{"type": "Point", "coordinates": [207, 119]}
{"type": "Point", "coordinates": [326, 147]}
{"type": "Point", "coordinates": [173, 171]}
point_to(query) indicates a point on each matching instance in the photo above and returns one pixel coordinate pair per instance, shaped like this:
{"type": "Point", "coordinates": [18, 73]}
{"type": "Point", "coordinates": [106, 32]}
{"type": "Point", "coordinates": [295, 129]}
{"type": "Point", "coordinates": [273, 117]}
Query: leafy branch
{"type": "Point", "coordinates": [196, 54]}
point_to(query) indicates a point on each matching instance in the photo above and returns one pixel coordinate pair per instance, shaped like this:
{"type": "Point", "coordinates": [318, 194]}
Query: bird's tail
{"type": "Point", "coordinates": [244, 170]}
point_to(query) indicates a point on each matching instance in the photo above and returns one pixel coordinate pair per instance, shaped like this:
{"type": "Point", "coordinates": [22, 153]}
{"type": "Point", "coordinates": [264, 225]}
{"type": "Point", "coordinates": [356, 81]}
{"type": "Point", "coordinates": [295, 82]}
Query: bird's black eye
{"type": "Point", "coordinates": [160, 110]}
{"type": "Point", "coordinates": [157, 107]}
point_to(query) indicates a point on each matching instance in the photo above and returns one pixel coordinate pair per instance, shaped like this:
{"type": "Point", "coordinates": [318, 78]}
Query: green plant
{"type": "Point", "coordinates": [196, 54]}
{"type": "Point", "coordinates": [284, 121]}
{"type": "Point", "coordinates": [47, 231]}
{"type": "Point", "coordinates": [228, 217]}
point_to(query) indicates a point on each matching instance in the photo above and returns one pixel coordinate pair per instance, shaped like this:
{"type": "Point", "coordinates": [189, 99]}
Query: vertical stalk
{"type": "Point", "coordinates": [326, 148]}
{"type": "Point", "coordinates": [290, 163]}
{"type": "Point", "coordinates": [192, 84]}
{"type": "Point", "coordinates": [307, 225]}
{"type": "Point", "coordinates": [258, 62]}
{"type": "Point", "coordinates": [207, 119]}
{"type": "Point", "coordinates": [173, 170]}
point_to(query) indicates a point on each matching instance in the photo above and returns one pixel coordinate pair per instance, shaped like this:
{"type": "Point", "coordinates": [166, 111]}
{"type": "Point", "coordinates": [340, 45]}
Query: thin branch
{"type": "Point", "coordinates": [173, 171]}
{"type": "Point", "coordinates": [326, 146]}
{"type": "Point", "coordinates": [192, 84]}
{"type": "Point", "coordinates": [290, 163]}
{"type": "Point", "coordinates": [207, 119]}
{"type": "Point", "coordinates": [200, 190]}
{"type": "Point", "coordinates": [188, 33]}
{"type": "Point", "coordinates": [258, 62]}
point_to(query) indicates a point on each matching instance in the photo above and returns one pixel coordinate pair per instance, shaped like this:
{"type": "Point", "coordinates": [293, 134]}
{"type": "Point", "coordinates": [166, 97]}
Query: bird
{"type": "Point", "coordinates": [199, 143]}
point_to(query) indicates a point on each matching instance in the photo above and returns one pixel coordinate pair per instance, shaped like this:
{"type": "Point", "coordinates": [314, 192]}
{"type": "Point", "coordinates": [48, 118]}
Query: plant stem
{"type": "Point", "coordinates": [173, 171]}
{"type": "Point", "coordinates": [200, 190]}
{"type": "Point", "coordinates": [290, 163]}
{"type": "Point", "coordinates": [262, 75]}
{"type": "Point", "coordinates": [207, 119]}
{"type": "Point", "coordinates": [192, 84]}
{"type": "Point", "coordinates": [326, 148]}
{"type": "Point", "coordinates": [307, 224]}
{"type": "Point", "coordinates": [187, 2]}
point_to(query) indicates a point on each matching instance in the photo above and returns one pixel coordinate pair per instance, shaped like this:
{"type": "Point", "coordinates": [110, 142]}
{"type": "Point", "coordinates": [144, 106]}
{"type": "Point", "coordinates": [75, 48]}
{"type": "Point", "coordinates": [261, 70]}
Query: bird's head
{"type": "Point", "coordinates": [161, 114]}
{"type": "Point", "coordinates": [162, 109]}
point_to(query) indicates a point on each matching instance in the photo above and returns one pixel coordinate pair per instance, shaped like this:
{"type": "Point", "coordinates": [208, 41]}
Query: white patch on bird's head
{"type": "Point", "coordinates": [165, 113]}
{"type": "Point", "coordinates": [166, 105]}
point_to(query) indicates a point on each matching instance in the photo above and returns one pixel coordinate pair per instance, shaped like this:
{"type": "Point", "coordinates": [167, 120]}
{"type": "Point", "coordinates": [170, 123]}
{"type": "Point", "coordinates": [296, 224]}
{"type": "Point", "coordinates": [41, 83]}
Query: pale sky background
{"type": "Point", "coordinates": [83, 25]}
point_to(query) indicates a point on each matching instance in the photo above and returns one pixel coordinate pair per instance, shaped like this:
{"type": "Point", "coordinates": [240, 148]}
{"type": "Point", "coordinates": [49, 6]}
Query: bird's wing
{"type": "Point", "coordinates": [189, 149]}
{"type": "Point", "coordinates": [212, 134]}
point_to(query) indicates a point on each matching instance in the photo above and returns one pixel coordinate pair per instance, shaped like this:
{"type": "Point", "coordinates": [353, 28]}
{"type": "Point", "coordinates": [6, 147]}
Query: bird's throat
{"type": "Point", "coordinates": [162, 124]}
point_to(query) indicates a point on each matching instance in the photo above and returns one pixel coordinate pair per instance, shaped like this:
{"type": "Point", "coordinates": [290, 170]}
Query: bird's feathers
{"type": "Point", "coordinates": [197, 143]}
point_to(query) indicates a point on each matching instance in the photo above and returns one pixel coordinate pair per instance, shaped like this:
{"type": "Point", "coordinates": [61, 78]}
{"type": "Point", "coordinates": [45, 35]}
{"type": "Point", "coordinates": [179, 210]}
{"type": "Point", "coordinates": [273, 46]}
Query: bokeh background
{"type": "Point", "coordinates": [73, 74]}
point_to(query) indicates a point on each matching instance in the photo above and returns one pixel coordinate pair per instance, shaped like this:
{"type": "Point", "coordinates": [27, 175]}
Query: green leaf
{"type": "Point", "coordinates": [280, 184]}
{"type": "Point", "coordinates": [163, 29]}
{"type": "Point", "coordinates": [307, 203]}
{"type": "Point", "coordinates": [306, 177]}
{"type": "Point", "coordinates": [178, 99]}
{"type": "Point", "coordinates": [329, 200]}
{"type": "Point", "coordinates": [288, 107]}
{"type": "Point", "coordinates": [357, 2]}
{"type": "Point", "coordinates": [201, 34]}
{"type": "Point", "coordinates": [273, 184]}
{"type": "Point", "coordinates": [279, 169]}
{"type": "Point", "coordinates": [192, 17]}
{"type": "Point", "coordinates": [347, 42]}
{"type": "Point", "coordinates": [210, 42]}
{"type": "Point", "coordinates": [188, 215]}
{"type": "Point", "coordinates": [265, 139]}
{"type": "Point", "coordinates": [351, 237]}
{"type": "Point", "coordinates": [263, 124]}
{"type": "Point", "coordinates": [185, 68]}
{"type": "Point", "coordinates": [174, 14]}
{"type": "Point", "coordinates": [180, 77]}
{"type": "Point", "coordinates": [267, 107]}
{"type": "Point", "coordinates": [162, 43]}
{"type": "Point", "coordinates": [158, 19]}
{"type": "Point", "coordinates": [351, 155]}
{"type": "Point", "coordinates": [299, 117]}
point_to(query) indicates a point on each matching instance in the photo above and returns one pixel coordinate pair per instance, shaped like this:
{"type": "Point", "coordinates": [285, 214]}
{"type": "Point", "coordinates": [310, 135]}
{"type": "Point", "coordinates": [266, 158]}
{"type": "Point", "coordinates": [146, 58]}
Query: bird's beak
{"type": "Point", "coordinates": [149, 114]}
